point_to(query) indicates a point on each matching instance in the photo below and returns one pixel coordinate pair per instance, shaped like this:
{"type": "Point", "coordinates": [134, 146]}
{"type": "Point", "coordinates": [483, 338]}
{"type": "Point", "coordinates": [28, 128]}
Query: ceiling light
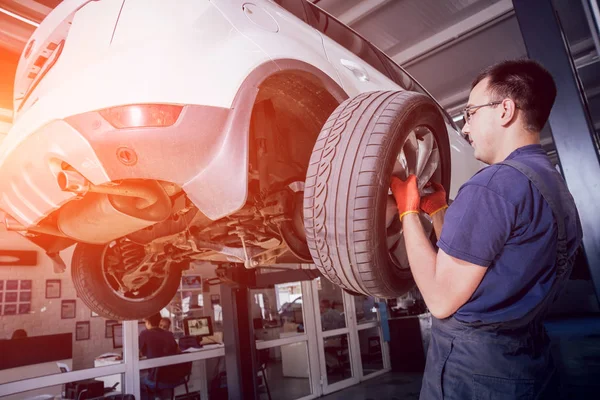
{"type": "Point", "coordinates": [23, 19]}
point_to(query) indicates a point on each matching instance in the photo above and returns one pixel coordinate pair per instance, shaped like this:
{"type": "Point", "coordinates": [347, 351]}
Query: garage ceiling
{"type": "Point", "coordinates": [442, 43]}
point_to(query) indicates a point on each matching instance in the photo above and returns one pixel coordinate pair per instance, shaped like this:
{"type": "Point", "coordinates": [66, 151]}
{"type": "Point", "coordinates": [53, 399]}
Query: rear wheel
{"type": "Point", "coordinates": [352, 225]}
{"type": "Point", "coordinates": [103, 280]}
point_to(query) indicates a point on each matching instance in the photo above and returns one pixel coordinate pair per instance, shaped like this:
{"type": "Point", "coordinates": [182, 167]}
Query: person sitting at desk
{"type": "Point", "coordinates": [165, 324]}
{"type": "Point", "coordinates": [330, 317]}
{"type": "Point", "coordinates": [154, 342]}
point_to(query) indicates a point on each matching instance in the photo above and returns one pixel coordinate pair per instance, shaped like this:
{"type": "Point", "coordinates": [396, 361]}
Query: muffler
{"type": "Point", "coordinates": [106, 213]}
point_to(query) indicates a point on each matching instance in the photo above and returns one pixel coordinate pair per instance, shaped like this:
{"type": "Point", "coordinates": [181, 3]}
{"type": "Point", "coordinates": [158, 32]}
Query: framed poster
{"type": "Point", "coordinates": [12, 284]}
{"type": "Point", "coordinates": [52, 288]}
{"type": "Point", "coordinates": [11, 297]}
{"type": "Point", "coordinates": [82, 330]}
{"type": "Point", "coordinates": [191, 282]}
{"type": "Point", "coordinates": [24, 296]}
{"type": "Point", "coordinates": [24, 308]}
{"type": "Point", "coordinates": [67, 309]}
{"type": "Point", "coordinates": [108, 327]}
{"type": "Point", "coordinates": [10, 309]}
{"type": "Point", "coordinates": [1, 286]}
{"type": "Point", "coordinates": [26, 284]}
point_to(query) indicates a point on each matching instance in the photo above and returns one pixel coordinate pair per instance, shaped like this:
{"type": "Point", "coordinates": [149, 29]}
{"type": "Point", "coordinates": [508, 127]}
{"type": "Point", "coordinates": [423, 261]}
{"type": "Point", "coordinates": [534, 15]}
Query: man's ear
{"type": "Point", "coordinates": [508, 112]}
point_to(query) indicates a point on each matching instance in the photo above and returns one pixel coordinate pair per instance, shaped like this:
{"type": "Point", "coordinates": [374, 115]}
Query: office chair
{"type": "Point", "coordinates": [263, 359]}
{"type": "Point", "coordinates": [169, 377]}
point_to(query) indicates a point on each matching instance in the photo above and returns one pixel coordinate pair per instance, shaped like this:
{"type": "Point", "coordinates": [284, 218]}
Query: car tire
{"type": "Point", "coordinates": [347, 199]}
{"type": "Point", "coordinates": [92, 286]}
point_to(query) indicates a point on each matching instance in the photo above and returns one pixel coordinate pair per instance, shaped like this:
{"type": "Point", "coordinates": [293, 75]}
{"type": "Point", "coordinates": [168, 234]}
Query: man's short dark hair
{"type": "Point", "coordinates": [154, 320]}
{"type": "Point", "coordinates": [527, 83]}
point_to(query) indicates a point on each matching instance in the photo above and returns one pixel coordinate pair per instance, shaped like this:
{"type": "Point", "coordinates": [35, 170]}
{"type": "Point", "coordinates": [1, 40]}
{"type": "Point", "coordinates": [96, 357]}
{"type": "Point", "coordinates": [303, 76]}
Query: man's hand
{"type": "Point", "coordinates": [436, 201]}
{"type": "Point", "coordinates": [407, 195]}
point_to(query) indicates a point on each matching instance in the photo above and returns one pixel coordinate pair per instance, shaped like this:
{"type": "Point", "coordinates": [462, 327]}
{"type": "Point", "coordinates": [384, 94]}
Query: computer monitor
{"type": "Point", "coordinates": [198, 326]}
{"type": "Point", "coordinates": [117, 334]}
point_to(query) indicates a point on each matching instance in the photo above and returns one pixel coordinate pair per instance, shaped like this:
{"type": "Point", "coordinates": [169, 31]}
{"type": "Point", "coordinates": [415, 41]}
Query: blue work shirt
{"type": "Point", "coordinates": [500, 221]}
{"type": "Point", "coordinates": [156, 342]}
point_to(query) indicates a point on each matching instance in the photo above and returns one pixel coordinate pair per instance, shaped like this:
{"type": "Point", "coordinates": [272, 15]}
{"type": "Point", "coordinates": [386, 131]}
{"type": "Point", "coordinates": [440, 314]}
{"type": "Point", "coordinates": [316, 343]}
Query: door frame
{"type": "Point", "coordinates": [316, 345]}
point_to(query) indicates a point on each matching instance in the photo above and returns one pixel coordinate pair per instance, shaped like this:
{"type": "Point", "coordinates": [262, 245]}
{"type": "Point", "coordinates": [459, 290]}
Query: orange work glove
{"type": "Point", "coordinates": [436, 201]}
{"type": "Point", "coordinates": [406, 194]}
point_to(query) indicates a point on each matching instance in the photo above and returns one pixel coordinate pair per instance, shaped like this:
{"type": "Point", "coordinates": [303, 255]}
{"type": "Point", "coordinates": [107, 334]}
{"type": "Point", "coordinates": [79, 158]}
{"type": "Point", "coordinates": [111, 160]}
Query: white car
{"type": "Point", "coordinates": [152, 133]}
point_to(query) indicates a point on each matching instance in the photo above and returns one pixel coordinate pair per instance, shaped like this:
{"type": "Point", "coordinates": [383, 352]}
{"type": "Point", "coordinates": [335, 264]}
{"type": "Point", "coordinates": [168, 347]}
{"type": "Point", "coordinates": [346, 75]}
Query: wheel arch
{"type": "Point", "coordinates": [301, 96]}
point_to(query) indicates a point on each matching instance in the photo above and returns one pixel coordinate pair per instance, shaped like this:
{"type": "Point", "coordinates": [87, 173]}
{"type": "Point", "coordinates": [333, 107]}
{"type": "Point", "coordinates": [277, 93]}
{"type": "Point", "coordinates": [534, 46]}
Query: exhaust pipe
{"type": "Point", "coordinates": [110, 211]}
{"type": "Point", "coordinates": [74, 182]}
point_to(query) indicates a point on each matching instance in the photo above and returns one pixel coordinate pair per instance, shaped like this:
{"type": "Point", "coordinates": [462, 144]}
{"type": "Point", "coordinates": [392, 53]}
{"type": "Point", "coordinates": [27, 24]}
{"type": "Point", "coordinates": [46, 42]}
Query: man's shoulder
{"type": "Point", "coordinates": [501, 179]}
{"type": "Point", "coordinates": [152, 333]}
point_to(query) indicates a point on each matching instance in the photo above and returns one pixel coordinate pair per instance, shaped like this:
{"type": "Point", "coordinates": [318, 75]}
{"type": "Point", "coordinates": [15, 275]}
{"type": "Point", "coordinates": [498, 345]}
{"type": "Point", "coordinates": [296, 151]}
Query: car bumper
{"type": "Point", "coordinates": [202, 152]}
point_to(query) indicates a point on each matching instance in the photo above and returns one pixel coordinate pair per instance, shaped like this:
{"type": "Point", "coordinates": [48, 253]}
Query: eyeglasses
{"type": "Point", "coordinates": [469, 111]}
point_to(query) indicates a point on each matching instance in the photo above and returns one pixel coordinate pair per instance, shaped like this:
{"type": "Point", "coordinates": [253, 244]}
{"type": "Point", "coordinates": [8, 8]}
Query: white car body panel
{"type": "Point", "coordinates": [188, 52]}
{"type": "Point", "coordinates": [464, 164]}
{"type": "Point", "coordinates": [293, 39]}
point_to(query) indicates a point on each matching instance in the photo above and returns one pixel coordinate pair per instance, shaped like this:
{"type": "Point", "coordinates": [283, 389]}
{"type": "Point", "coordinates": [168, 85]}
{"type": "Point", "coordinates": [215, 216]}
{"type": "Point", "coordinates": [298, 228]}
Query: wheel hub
{"type": "Point", "coordinates": [419, 156]}
{"type": "Point", "coordinates": [131, 273]}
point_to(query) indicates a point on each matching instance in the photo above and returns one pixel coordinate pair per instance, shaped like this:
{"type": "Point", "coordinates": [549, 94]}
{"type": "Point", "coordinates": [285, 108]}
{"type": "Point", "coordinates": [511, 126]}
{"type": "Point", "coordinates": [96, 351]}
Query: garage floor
{"type": "Point", "coordinates": [390, 386]}
{"type": "Point", "coordinates": [575, 345]}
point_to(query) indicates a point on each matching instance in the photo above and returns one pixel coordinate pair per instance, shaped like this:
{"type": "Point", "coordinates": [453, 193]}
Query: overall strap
{"type": "Point", "coordinates": [557, 211]}
{"type": "Point", "coordinates": [563, 264]}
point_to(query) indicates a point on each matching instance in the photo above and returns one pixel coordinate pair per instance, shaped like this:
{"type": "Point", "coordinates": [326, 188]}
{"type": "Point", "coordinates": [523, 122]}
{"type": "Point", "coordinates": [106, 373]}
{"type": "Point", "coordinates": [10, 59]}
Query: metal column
{"type": "Point", "coordinates": [238, 336]}
{"type": "Point", "coordinates": [569, 121]}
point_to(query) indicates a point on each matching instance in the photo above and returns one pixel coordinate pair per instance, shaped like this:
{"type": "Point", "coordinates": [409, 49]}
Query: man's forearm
{"type": "Point", "coordinates": [438, 221]}
{"type": "Point", "coordinates": [422, 256]}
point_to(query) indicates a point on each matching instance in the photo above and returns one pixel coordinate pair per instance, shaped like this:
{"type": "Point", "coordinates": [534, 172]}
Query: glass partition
{"type": "Point", "coordinates": [283, 372]}
{"type": "Point", "coordinates": [371, 353]}
{"type": "Point", "coordinates": [331, 305]}
{"type": "Point", "coordinates": [113, 385]}
{"type": "Point", "coordinates": [277, 312]}
{"type": "Point", "coordinates": [337, 358]}
{"type": "Point", "coordinates": [365, 309]}
{"type": "Point", "coordinates": [177, 378]}
{"type": "Point", "coordinates": [45, 327]}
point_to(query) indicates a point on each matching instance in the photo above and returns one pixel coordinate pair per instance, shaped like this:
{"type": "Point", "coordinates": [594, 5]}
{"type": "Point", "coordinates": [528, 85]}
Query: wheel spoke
{"type": "Point", "coordinates": [425, 147]}
{"type": "Point", "coordinates": [419, 156]}
{"type": "Point", "coordinates": [391, 211]}
{"type": "Point", "coordinates": [410, 150]}
{"type": "Point", "coordinates": [398, 251]}
{"type": "Point", "coordinates": [396, 244]}
{"type": "Point", "coordinates": [427, 159]}
{"type": "Point", "coordinates": [430, 168]}
{"type": "Point", "coordinates": [400, 166]}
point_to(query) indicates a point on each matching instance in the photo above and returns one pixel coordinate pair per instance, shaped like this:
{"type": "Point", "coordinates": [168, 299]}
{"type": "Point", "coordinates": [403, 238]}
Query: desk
{"type": "Point", "coordinates": [198, 381]}
{"type": "Point", "coordinates": [109, 380]}
{"type": "Point", "coordinates": [33, 371]}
